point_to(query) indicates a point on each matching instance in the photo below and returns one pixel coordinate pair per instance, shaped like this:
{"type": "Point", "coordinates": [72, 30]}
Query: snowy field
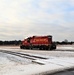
{"type": "Point", "coordinates": [65, 47]}
{"type": "Point", "coordinates": [57, 61]}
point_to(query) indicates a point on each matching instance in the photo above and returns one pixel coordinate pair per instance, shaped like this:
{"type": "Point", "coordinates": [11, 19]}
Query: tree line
{"type": "Point", "coordinates": [64, 43]}
{"type": "Point", "coordinates": [14, 42]}
{"type": "Point", "coordinates": [18, 42]}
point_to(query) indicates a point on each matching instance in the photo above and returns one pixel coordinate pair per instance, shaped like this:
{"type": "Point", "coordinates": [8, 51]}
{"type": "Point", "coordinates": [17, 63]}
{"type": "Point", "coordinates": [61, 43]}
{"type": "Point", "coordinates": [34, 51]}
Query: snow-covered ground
{"type": "Point", "coordinates": [14, 65]}
{"type": "Point", "coordinates": [67, 47]}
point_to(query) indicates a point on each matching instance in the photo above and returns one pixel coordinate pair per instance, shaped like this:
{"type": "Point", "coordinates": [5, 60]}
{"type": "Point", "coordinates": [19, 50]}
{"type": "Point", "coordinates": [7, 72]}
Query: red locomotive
{"type": "Point", "coordinates": [39, 42]}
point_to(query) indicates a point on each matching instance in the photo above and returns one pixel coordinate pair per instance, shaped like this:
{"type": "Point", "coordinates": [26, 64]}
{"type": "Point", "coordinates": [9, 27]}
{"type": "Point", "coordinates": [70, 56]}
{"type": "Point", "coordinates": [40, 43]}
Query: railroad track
{"type": "Point", "coordinates": [23, 55]}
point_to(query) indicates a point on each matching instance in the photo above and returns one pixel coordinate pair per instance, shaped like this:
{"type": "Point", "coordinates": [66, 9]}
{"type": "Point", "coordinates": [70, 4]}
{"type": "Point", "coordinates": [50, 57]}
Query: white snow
{"type": "Point", "coordinates": [66, 47]}
{"type": "Point", "coordinates": [14, 65]}
{"type": "Point", "coordinates": [10, 65]}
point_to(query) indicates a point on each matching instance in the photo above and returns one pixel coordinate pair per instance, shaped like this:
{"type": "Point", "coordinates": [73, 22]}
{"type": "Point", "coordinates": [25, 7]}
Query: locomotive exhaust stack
{"type": "Point", "coordinates": [39, 42]}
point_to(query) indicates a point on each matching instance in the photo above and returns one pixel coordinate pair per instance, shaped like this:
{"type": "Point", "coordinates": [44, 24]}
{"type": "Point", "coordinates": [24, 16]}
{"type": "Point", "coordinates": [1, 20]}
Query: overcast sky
{"type": "Point", "coordinates": [22, 18]}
